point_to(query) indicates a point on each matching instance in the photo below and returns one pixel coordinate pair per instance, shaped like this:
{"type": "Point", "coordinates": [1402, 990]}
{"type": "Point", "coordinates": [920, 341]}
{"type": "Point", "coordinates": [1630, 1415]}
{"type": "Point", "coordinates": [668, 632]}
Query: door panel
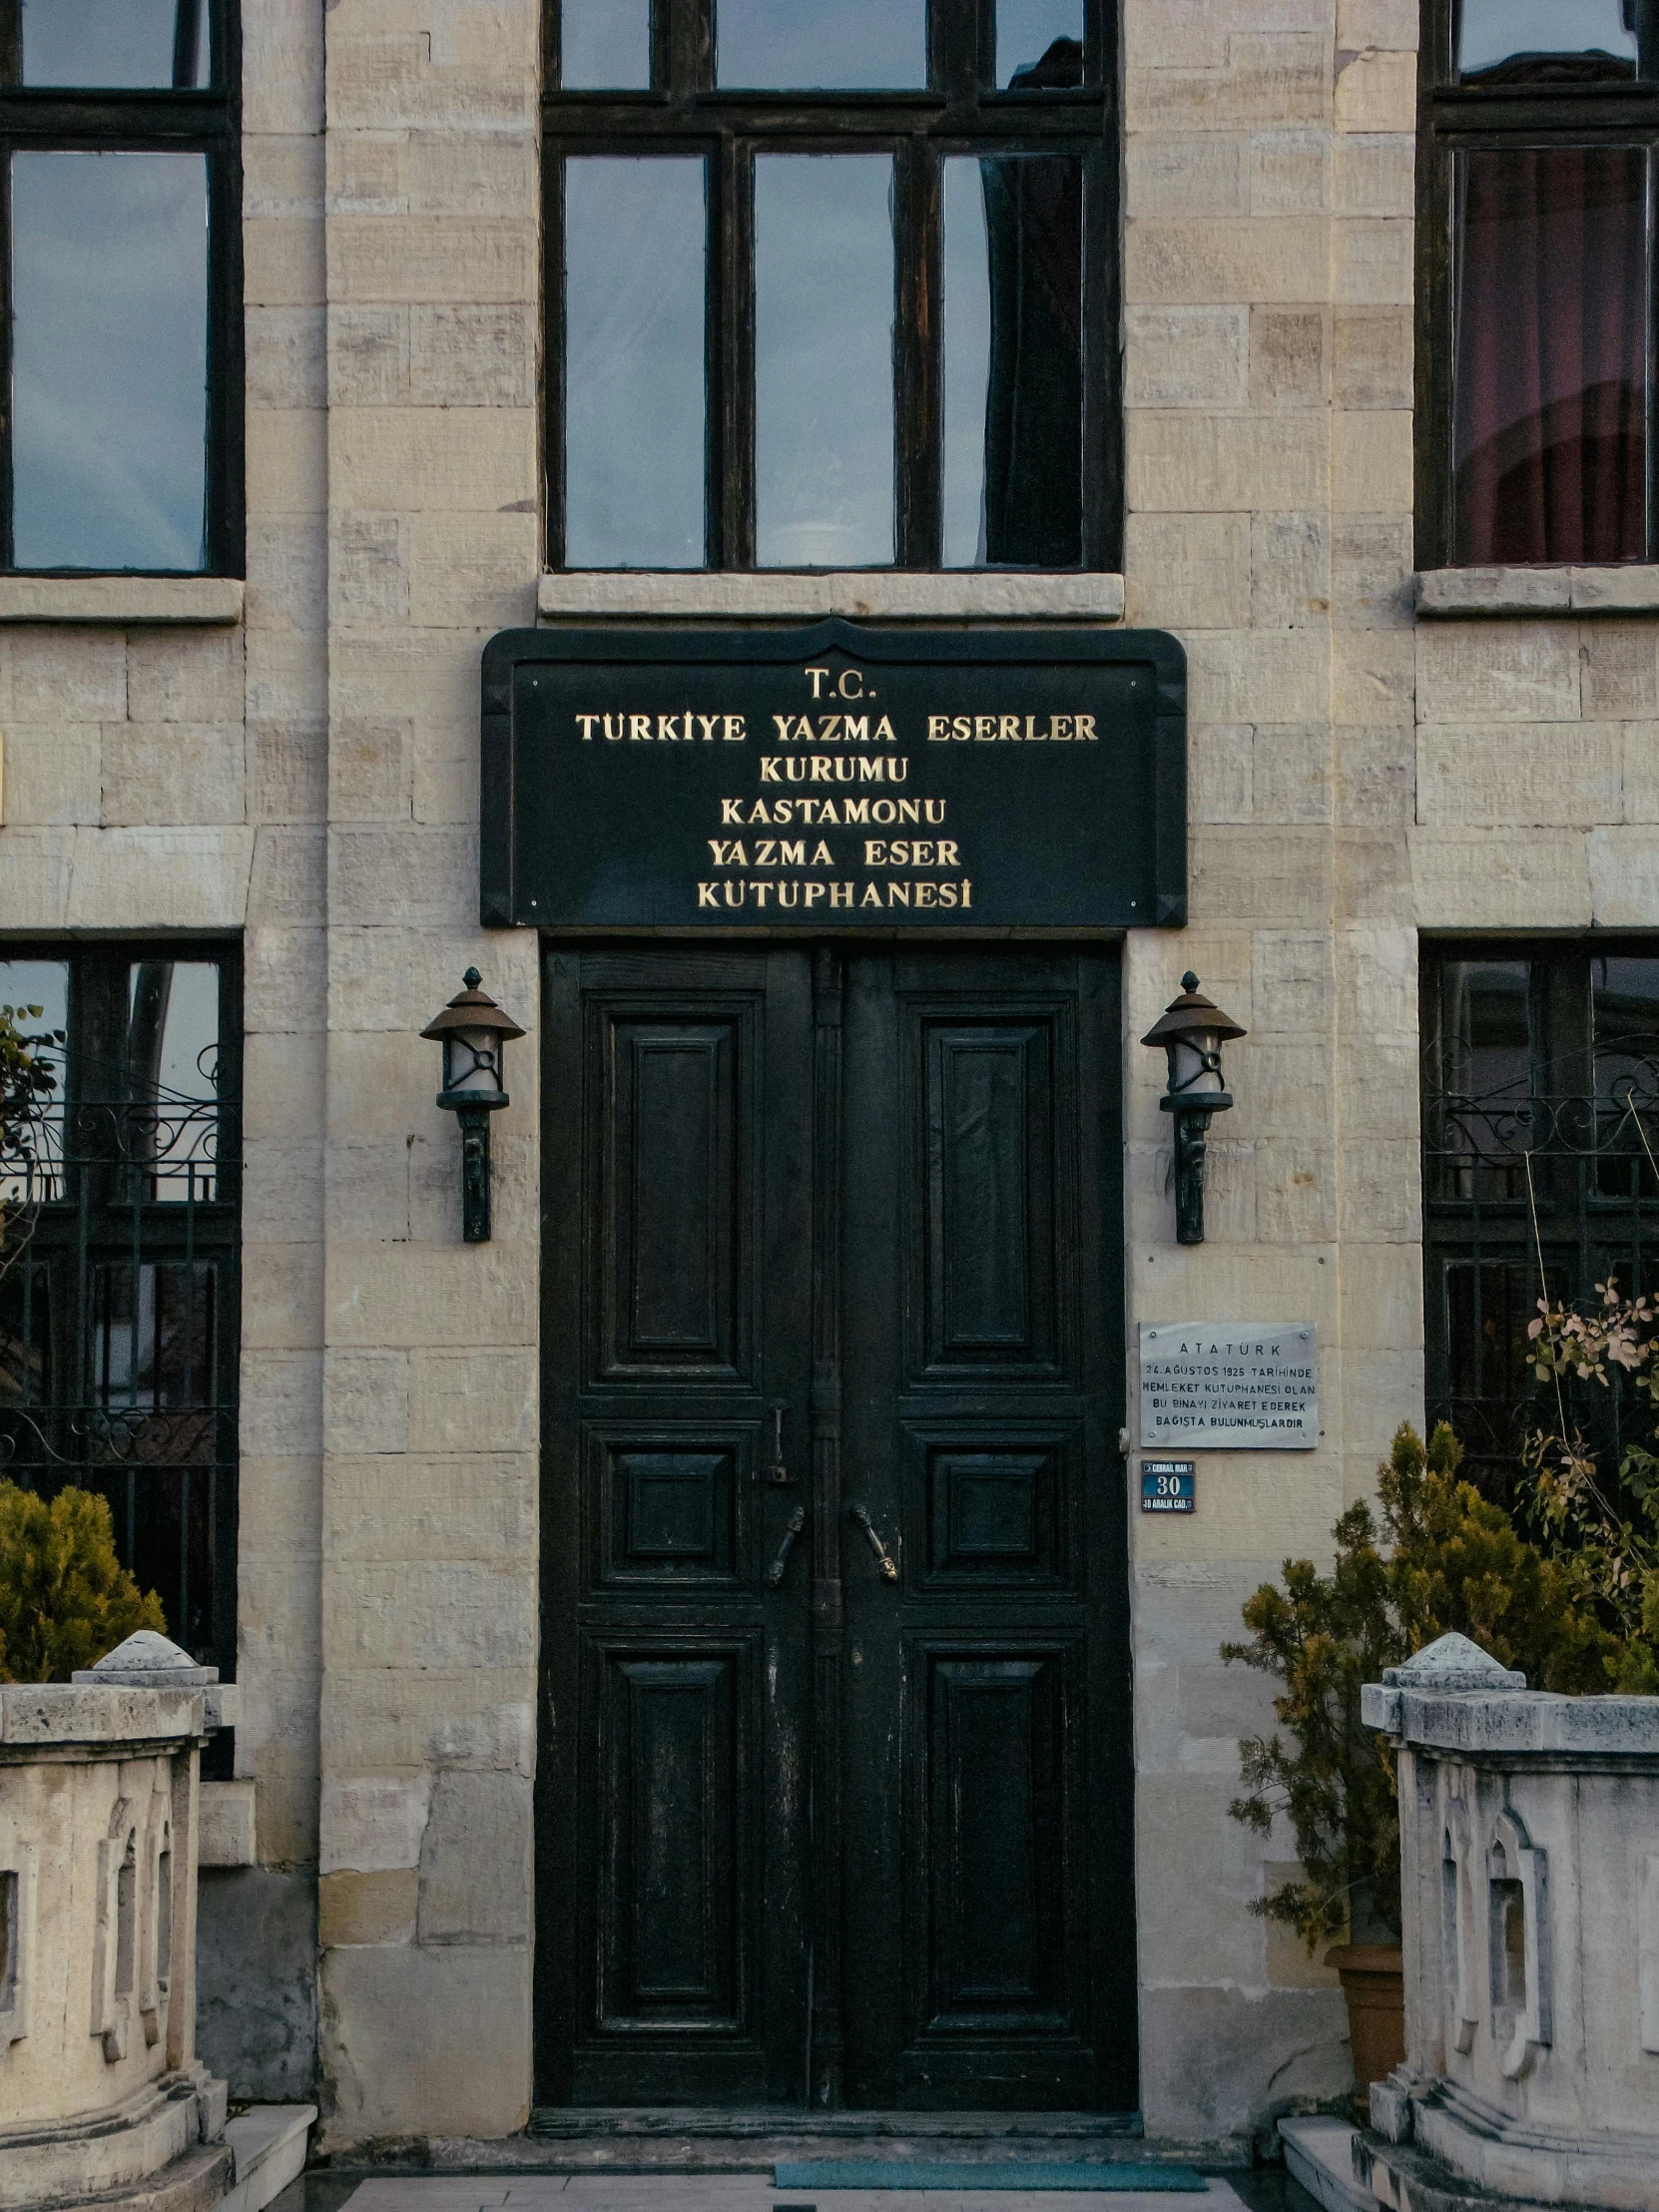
{"type": "Point", "coordinates": [774, 1772]}
{"type": "Point", "coordinates": [989, 1931]}
{"type": "Point", "coordinates": [672, 1931]}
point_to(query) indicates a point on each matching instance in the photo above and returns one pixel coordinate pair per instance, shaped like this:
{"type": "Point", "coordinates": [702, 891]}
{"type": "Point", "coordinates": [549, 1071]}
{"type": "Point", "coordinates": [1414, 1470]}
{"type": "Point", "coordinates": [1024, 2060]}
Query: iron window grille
{"type": "Point", "coordinates": [1068, 106]}
{"type": "Point", "coordinates": [120, 1301]}
{"type": "Point", "coordinates": [1541, 166]}
{"type": "Point", "coordinates": [1540, 1133]}
{"type": "Point", "coordinates": [184, 117]}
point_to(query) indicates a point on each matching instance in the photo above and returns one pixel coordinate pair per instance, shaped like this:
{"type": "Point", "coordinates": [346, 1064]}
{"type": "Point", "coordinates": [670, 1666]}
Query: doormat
{"type": "Point", "coordinates": [1009, 2174]}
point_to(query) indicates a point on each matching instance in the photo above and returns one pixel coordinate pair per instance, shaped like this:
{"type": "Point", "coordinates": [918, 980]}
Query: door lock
{"type": "Point", "coordinates": [775, 1471]}
{"type": "Point", "coordinates": [888, 1571]}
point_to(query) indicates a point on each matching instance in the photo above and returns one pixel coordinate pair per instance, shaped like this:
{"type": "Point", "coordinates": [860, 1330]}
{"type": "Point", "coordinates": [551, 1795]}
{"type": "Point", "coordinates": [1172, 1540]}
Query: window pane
{"type": "Point", "coordinates": [804, 45]}
{"type": "Point", "coordinates": [1030, 33]}
{"type": "Point", "coordinates": [110, 361]}
{"type": "Point", "coordinates": [173, 1070]}
{"type": "Point", "coordinates": [1550, 406]}
{"type": "Point", "coordinates": [605, 44]}
{"type": "Point", "coordinates": [635, 255]}
{"type": "Point", "coordinates": [824, 382]}
{"type": "Point", "coordinates": [1013, 360]}
{"type": "Point", "coordinates": [152, 1338]}
{"type": "Point", "coordinates": [1519, 42]}
{"type": "Point", "coordinates": [1481, 1110]}
{"type": "Point", "coordinates": [1625, 997]}
{"type": "Point", "coordinates": [116, 43]}
{"type": "Point", "coordinates": [37, 1172]}
{"type": "Point", "coordinates": [1487, 1029]}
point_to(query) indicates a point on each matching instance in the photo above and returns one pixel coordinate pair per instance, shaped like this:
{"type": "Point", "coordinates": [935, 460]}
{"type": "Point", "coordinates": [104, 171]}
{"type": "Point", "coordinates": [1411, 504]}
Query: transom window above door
{"type": "Point", "coordinates": [831, 283]}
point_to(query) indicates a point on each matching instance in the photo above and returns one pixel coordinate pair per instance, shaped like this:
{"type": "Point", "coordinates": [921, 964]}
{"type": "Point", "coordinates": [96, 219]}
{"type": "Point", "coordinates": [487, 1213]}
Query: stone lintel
{"type": "Point", "coordinates": [874, 594]}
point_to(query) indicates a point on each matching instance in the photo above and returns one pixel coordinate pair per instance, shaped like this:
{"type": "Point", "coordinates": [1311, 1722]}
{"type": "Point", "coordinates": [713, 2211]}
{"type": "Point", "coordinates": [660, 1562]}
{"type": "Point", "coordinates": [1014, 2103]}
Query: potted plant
{"type": "Point", "coordinates": [1442, 1558]}
{"type": "Point", "coordinates": [64, 1598]}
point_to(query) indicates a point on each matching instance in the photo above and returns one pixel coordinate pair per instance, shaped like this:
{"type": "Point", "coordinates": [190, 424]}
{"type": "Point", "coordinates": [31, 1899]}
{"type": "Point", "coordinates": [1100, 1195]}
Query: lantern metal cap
{"type": "Point", "coordinates": [473, 1009]}
{"type": "Point", "coordinates": [1192, 1015]}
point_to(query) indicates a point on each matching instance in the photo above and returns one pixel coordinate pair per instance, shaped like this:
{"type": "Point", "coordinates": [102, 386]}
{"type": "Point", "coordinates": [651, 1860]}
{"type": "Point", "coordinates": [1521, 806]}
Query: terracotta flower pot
{"type": "Point", "coordinates": [1373, 1983]}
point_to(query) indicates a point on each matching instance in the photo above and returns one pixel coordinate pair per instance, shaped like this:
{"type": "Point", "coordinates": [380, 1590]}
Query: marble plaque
{"type": "Point", "coordinates": [1229, 1385]}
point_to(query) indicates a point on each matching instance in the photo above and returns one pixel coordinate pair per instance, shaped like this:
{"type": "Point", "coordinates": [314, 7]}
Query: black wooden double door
{"type": "Point", "coordinates": [835, 1777]}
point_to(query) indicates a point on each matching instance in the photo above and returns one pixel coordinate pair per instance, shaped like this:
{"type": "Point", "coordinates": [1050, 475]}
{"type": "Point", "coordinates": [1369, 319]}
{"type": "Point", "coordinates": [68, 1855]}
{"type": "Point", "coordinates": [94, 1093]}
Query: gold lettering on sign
{"type": "Point", "coordinates": [1011, 730]}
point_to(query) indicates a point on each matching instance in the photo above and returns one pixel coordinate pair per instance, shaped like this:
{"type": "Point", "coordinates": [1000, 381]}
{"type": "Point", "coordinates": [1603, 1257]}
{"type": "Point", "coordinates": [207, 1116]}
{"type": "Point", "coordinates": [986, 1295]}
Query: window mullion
{"type": "Point", "coordinates": [918, 310]}
{"type": "Point", "coordinates": [732, 401]}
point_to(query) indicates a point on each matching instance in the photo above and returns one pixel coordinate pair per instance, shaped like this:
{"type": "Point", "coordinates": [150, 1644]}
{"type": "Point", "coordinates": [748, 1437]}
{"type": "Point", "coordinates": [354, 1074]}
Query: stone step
{"type": "Point", "coordinates": [1320, 2154]}
{"type": "Point", "coordinates": [267, 2142]}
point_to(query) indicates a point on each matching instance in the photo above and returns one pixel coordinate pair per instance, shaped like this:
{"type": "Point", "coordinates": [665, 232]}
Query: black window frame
{"type": "Point", "coordinates": [962, 114]}
{"type": "Point", "coordinates": [73, 119]}
{"type": "Point", "coordinates": [100, 1215]}
{"type": "Point", "coordinates": [1590, 1203]}
{"type": "Point", "coordinates": [1454, 118]}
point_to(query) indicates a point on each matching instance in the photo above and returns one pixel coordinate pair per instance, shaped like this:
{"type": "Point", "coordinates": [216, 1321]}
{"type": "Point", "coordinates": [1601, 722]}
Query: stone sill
{"type": "Point", "coordinates": [894, 595]}
{"type": "Point", "coordinates": [1628, 588]}
{"type": "Point", "coordinates": [127, 602]}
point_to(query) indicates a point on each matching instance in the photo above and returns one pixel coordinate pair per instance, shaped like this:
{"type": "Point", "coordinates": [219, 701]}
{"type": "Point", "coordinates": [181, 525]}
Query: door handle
{"type": "Point", "coordinates": [792, 1528]}
{"type": "Point", "coordinates": [888, 1571]}
{"type": "Point", "coordinates": [775, 1471]}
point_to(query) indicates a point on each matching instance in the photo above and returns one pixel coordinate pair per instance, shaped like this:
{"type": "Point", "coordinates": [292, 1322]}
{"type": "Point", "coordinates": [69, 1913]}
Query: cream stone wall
{"type": "Point", "coordinates": [308, 776]}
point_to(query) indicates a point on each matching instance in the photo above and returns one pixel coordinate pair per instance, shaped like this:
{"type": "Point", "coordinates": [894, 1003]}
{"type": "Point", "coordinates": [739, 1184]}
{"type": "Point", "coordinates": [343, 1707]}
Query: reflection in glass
{"type": "Point", "coordinates": [1027, 32]}
{"type": "Point", "coordinates": [1625, 1000]}
{"type": "Point", "coordinates": [823, 381]}
{"type": "Point", "coordinates": [1013, 360]}
{"type": "Point", "coordinates": [1529, 42]}
{"type": "Point", "coordinates": [36, 1173]}
{"type": "Point", "coordinates": [25, 1333]}
{"type": "Point", "coordinates": [172, 1072]}
{"type": "Point", "coordinates": [109, 360]}
{"type": "Point", "coordinates": [605, 44]}
{"type": "Point", "coordinates": [807, 45]}
{"type": "Point", "coordinates": [152, 1338]}
{"type": "Point", "coordinates": [1487, 1029]}
{"type": "Point", "coordinates": [116, 44]}
{"type": "Point", "coordinates": [1483, 1113]}
{"type": "Point", "coordinates": [1551, 397]}
{"type": "Point", "coordinates": [635, 411]}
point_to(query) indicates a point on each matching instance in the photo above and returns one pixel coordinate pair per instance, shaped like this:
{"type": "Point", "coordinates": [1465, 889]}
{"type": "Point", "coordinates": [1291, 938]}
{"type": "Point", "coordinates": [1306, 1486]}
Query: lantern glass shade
{"type": "Point", "coordinates": [471, 1060]}
{"type": "Point", "coordinates": [1195, 1064]}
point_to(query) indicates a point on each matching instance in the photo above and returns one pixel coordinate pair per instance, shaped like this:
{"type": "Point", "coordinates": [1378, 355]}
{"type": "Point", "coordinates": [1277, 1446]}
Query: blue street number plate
{"type": "Point", "coordinates": [1168, 1486]}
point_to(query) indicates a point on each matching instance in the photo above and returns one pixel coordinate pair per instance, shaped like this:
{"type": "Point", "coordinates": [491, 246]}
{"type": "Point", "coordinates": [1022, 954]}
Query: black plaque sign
{"type": "Point", "coordinates": [833, 779]}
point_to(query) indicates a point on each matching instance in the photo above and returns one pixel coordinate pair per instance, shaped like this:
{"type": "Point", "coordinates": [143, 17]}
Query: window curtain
{"type": "Point", "coordinates": [1551, 347]}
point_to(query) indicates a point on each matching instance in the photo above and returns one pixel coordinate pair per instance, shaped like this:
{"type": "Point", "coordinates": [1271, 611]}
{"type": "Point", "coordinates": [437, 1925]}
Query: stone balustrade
{"type": "Point", "coordinates": [101, 2090]}
{"type": "Point", "coordinates": [1530, 1845]}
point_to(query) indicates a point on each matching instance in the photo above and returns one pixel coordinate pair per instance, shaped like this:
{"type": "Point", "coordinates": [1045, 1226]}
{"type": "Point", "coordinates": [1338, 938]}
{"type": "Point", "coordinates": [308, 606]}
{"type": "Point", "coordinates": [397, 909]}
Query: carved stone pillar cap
{"type": "Point", "coordinates": [1451, 1663]}
{"type": "Point", "coordinates": [147, 1661]}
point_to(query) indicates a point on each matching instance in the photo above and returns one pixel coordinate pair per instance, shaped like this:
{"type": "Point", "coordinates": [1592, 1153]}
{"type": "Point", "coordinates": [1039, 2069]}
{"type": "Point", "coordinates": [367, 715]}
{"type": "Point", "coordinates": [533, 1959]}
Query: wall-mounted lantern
{"type": "Point", "coordinates": [473, 1033]}
{"type": "Point", "coordinates": [1191, 1031]}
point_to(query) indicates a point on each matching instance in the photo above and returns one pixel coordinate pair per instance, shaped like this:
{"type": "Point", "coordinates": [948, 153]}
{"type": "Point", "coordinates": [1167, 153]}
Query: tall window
{"type": "Point", "coordinates": [119, 1300]}
{"type": "Point", "coordinates": [118, 171]}
{"type": "Point", "coordinates": [1541, 1089]}
{"type": "Point", "coordinates": [1539, 124]}
{"type": "Point", "coordinates": [831, 283]}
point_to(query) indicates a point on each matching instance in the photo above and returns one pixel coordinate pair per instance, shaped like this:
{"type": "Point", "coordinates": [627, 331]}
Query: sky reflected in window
{"type": "Point", "coordinates": [824, 382]}
{"type": "Point", "coordinates": [1026, 29]}
{"type": "Point", "coordinates": [635, 263]}
{"type": "Point", "coordinates": [605, 44]}
{"type": "Point", "coordinates": [116, 45]}
{"type": "Point", "coordinates": [822, 45]}
{"type": "Point", "coordinates": [109, 360]}
{"type": "Point", "coordinates": [1498, 38]}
